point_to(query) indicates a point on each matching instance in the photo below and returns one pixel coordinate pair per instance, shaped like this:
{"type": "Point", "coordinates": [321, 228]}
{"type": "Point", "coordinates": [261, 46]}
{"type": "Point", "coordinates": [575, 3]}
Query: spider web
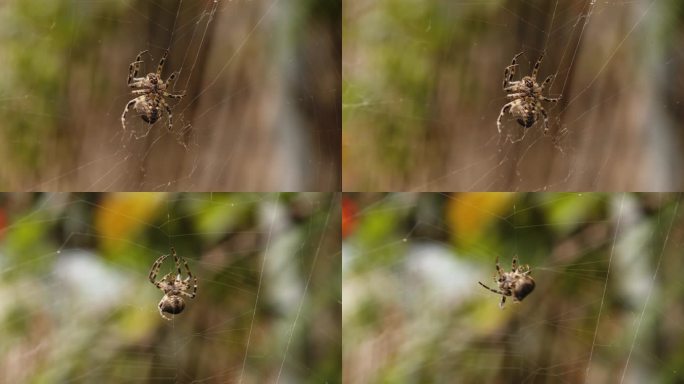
{"type": "Point", "coordinates": [602, 310]}
{"type": "Point", "coordinates": [250, 120]}
{"type": "Point", "coordinates": [81, 308]}
{"type": "Point", "coordinates": [420, 108]}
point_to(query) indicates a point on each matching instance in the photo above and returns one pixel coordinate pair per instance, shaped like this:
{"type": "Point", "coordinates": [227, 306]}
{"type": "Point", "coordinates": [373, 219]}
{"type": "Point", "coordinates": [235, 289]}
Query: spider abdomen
{"type": "Point", "coordinates": [172, 304]}
{"type": "Point", "coordinates": [523, 288]}
{"type": "Point", "coordinates": [528, 122]}
{"type": "Point", "coordinates": [152, 117]}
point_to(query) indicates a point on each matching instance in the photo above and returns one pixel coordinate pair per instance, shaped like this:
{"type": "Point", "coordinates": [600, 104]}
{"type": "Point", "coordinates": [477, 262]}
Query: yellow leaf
{"type": "Point", "coordinates": [470, 214]}
{"type": "Point", "coordinates": [120, 217]}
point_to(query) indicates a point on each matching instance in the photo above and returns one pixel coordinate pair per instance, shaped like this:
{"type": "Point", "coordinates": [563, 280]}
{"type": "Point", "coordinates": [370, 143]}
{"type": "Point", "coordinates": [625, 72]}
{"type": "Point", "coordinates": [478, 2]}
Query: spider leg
{"type": "Point", "coordinates": [160, 67]}
{"type": "Point", "coordinates": [125, 111]}
{"type": "Point", "coordinates": [546, 81]}
{"type": "Point", "coordinates": [499, 270]}
{"type": "Point", "coordinates": [132, 73]}
{"type": "Point", "coordinates": [535, 70]}
{"type": "Point", "coordinates": [515, 58]}
{"type": "Point", "coordinates": [168, 82]}
{"type": "Point", "coordinates": [503, 301]}
{"type": "Point", "coordinates": [541, 109]}
{"type": "Point", "coordinates": [516, 95]}
{"type": "Point", "coordinates": [135, 67]}
{"type": "Point", "coordinates": [512, 86]}
{"type": "Point", "coordinates": [514, 264]}
{"type": "Point", "coordinates": [504, 110]}
{"type": "Point", "coordinates": [493, 290]}
{"type": "Point", "coordinates": [509, 72]}
{"type": "Point", "coordinates": [155, 268]}
{"type": "Point", "coordinates": [176, 261]}
{"type": "Point", "coordinates": [187, 280]}
{"type": "Point", "coordinates": [551, 99]}
{"type": "Point", "coordinates": [172, 77]}
{"type": "Point", "coordinates": [168, 110]}
{"type": "Point", "coordinates": [174, 96]}
{"type": "Point", "coordinates": [167, 279]}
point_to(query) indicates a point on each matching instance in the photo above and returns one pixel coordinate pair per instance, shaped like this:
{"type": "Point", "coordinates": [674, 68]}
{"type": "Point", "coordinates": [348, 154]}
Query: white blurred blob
{"type": "Point", "coordinates": [87, 280]}
{"type": "Point", "coordinates": [439, 275]}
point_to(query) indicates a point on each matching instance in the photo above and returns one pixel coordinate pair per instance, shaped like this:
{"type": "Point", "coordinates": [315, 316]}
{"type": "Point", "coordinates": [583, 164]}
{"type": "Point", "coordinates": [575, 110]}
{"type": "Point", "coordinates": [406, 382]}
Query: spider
{"type": "Point", "coordinates": [527, 96]}
{"type": "Point", "coordinates": [517, 283]}
{"type": "Point", "coordinates": [150, 93]}
{"type": "Point", "coordinates": [173, 287]}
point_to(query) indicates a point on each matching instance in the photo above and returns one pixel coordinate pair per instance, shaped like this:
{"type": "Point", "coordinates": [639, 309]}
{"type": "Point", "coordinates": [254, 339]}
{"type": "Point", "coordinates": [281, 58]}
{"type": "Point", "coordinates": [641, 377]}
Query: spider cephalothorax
{"type": "Point", "coordinates": [150, 92]}
{"type": "Point", "coordinates": [527, 96]}
{"type": "Point", "coordinates": [517, 283]}
{"type": "Point", "coordinates": [174, 287]}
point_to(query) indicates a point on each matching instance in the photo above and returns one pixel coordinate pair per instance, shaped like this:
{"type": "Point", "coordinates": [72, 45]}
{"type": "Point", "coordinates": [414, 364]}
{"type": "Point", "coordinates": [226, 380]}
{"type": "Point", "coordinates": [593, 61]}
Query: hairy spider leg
{"type": "Point", "coordinates": [174, 96]}
{"type": "Point", "coordinates": [503, 295]}
{"type": "Point", "coordinates": [135, 67]}
{"type": "Point", "coordinates": [491, 289]}
{"type": "Point", "coordinates": [186, 283]}
{"type": "Point", "coordinates": [525, 269]}
{"type": "Point", "coordinates": [168, 110]}
{"type": "Point", "coordinates": [127, 108]}
{"type": "Point", "coordinates": [551, 99]}
{"type": "Point", "coordinates": [546, 81]}
{"type": "Point", "coordinates": [504, 110]}
{"type": "Point", "coordinates": [546, 118]}
{"type": "Point", "coordinates": [190, 275]}
{"type": "Point", "coordinates": [155, 268]}
{"type": "Point", "coordinates": [515, 58]}
{"type": "Point", "coordinates": [516, 95]}
{"type": "Point", "coordinates": [168, 279]}
{"type": "Point", "coordinates": [509, 72]}
{"type": "Point", "coordinates": [187, 280]}
{"type": "Point", "coordinates": [134, 81]}
{"type": "Point", "coordinates": [535, 70]}
{"type": "Point", "coordinates": [176, 261]}
{"type": "Point", "coordinates": [171, 78]}
{"type": "Point", "coordinates": [168, 83]}
{"type": "Point", "coordinates": [160, 67]}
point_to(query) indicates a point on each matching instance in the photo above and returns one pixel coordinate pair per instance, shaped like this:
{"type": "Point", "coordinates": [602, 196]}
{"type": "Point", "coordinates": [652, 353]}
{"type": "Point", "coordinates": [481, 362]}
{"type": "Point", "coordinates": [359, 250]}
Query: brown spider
{"type": "Point", "coordinates": [517, 283]}
{"type": "Point", "coordinates": [150, 93]}
{"type": "Point", "coordinates": [173, 287]}
{"type": "Point", "coordinates": [527, 96]}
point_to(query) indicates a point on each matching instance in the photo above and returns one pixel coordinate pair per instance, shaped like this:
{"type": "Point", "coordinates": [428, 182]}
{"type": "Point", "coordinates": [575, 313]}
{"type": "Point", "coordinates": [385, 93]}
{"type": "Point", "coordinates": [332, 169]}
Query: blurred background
{"type": "Point", "coordinates": [607, 307]}
{"type": "Point", "coordinates": [422, 93]}
{"type": "Point", "coordinates": [78, 306]}
{"type": "Point", "coordinates": [261, 111]}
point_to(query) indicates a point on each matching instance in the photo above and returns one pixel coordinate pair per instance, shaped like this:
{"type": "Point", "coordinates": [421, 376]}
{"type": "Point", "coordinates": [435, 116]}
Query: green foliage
{"type": "Point", "coordinates": [40, 41]}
